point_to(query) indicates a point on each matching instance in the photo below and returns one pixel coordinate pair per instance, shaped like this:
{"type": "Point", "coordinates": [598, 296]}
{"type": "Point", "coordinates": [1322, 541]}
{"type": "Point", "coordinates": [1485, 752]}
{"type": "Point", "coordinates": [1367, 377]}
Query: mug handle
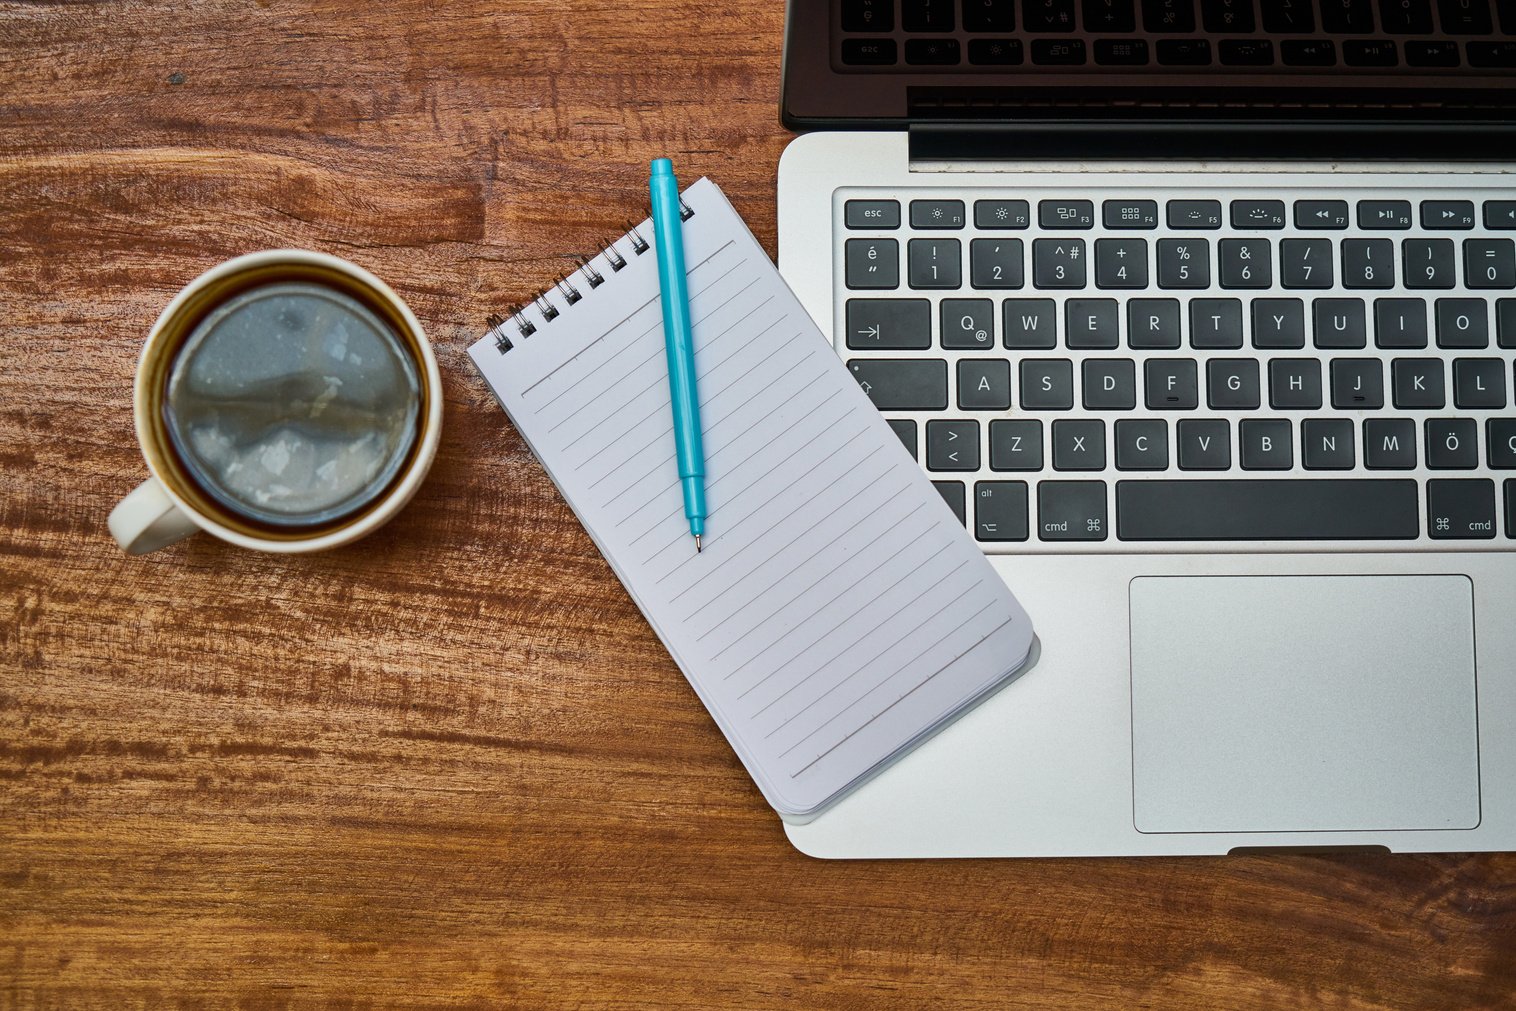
{"type": "Point", "coordinates": [148, 519]}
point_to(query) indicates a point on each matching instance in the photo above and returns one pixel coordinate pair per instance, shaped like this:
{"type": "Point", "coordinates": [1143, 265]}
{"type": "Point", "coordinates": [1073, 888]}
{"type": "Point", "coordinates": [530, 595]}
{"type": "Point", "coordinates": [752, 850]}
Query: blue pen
{"type": "Point", "coordinates": [680, 342]}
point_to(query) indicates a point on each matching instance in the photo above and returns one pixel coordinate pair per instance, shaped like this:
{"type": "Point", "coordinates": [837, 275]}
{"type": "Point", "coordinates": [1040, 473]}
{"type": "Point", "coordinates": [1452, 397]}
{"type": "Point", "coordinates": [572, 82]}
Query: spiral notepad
{"type": "Point", "coordinates": [839, 613]}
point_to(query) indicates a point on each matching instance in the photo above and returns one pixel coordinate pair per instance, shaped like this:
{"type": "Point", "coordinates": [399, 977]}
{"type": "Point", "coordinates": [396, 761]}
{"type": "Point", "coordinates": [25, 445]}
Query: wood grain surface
{"type": "Point", "coordinates": [451, 765]}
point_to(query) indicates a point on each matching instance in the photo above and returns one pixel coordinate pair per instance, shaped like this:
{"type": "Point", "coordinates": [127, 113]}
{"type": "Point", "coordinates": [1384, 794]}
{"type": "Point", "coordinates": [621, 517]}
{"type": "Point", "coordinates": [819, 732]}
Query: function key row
{"type": "Point", "coordinates": [1324, 215]}
{"type": "Point", "coordinates": [1135, 52]}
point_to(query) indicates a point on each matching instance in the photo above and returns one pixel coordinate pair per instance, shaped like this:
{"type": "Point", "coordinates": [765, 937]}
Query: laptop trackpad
{"type": "Point", "coordinates": [1303, 703]}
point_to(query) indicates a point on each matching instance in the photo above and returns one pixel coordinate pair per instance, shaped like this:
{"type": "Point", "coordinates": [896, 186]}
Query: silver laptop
{"type": "Point", "coordinates": [1201, 314]}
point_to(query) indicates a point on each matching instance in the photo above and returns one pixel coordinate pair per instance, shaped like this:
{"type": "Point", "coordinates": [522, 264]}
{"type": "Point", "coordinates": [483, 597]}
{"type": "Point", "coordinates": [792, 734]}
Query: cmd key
{"type": "Point", "coordinates": [896, 384]}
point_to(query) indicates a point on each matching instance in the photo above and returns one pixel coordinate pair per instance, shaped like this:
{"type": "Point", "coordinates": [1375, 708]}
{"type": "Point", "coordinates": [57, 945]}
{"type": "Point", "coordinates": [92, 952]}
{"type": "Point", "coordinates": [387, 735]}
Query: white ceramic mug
{"type": "Point", "coordinates": [170, 506]}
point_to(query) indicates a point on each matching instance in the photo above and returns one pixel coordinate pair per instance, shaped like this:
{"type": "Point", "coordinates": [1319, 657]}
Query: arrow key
{"type": "Point", "coordinates": [952, 445]}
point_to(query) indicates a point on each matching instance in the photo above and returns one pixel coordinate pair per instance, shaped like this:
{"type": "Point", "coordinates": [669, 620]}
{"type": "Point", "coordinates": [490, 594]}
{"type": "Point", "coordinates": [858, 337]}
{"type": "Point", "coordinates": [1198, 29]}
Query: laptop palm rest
{"type": "Point", "coordinates": [1297, 704]}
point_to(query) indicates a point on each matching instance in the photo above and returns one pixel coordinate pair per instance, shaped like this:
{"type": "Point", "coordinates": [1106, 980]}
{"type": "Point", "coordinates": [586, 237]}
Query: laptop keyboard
{"type": "Point", "coordinates": [1166, 34]}
{"type": "Point", "coordinates": [1106, 370]}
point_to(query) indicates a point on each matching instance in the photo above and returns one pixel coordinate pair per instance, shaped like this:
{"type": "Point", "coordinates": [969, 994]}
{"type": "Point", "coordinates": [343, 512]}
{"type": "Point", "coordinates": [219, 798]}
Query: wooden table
{"type": "Point", "coordinates": [451, 765]}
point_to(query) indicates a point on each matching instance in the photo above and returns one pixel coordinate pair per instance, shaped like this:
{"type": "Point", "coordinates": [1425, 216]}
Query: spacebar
{"type": "Point", "coordinates": [1282, 510]}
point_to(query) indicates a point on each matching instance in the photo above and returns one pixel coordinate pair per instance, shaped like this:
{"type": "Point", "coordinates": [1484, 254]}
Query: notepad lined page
{"type": "Point", "coordinates": [839, 611]}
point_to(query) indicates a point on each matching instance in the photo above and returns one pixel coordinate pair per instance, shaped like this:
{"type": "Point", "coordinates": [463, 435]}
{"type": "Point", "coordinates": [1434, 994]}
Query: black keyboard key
{"type": "Point", "coordinates": [1451, 444]}
{"type": "Point", "coordinates": [952, 445]}
{"type": "Point", "coordinates": [873, 263]}
{"type": "Point", "coordinates": [1216, 323]}
{"type": "Point", "coordinates": [995, 52]}
{"type": "Point", "coordinates": [1265, 444]}
{"type": "Point", "coordinates": [1078, 444]}
{"type": "Point", "coordinates": [1461, 509]}
{"type": "Point", "coordinates": [1110, 384]}
{"type": "Point", "coordinates": [984, 384]}
{"type": "Point", "coordinates": [968, 324]}
{"type": "Point", "coordinates": [1465, 17]}
{"type": "Point", "coordinates": [1135, 214]}
{"type": "Point", "coordinates": [1405, 17]}
{"type": "Point", "coordinates": [1066, 214]}
{"type": "Point", "coordinates": [1400, 323]}
{"type": "Point", "coordinates": [1058, 263]}
{"type": "Point", "coordinates": [1442, 53]}
{"type": "Point", "coordinates": [1505, 323]}
{"type": "Point", "coordinates": [1368, 263]}
{"type": "Point", "coordinates": [1357, 384]}
{"type": "Point", "coordinates": [1091, 323]}
{"type": "Point", "coordinates": [1489, 263]}
{"type": "Point", "coordinates": [1369, 53]}
{"type": "Point", "coordinates": [1102, 16]}
{"type": "Point", "coordinates": [1071, 511]}
{"type": "Point", "coordinates": [1429, 263]}
{"type": "Point", "coordinates": [1184, 263]}
{"type": "Point", "coordinates": [1043, 16]}
{"type": "Point", "coordinates": [1500, 438]}
{"type": "Point", "coordinates": [1142, 444]}
{"type": "Point", "coordinates": [1204, 444]}
{"type": "Point", "coordinates": [1326, 444]}
{"type": "Point", "coordinates": [1016, 444]}
{"type": "Point", "coordinates": [1121, 53]}
{"type": "Point", "coordinates": [869, 52]}
{"type": "Point", "coordinates": [1258, 214]}
{"type": "Point", "coordinates": [1002, 214]}
{"type": "Point", "coordinates": [1339, 323]}
{"type": "Point", "coordinates": [1384, 214]}
{"type": "Point", "coordinates": [1347, 17]}
{"type": "Point", "coordinates": [1153, 323]}
{"type": "Point", "coordinates": [937, 214]}
{"type": "Point", "coordinates": [895, 324]}
{"type": "Point", "coordinates": [1295, 384]}
{"type": "Point", "coordinates": [1308, 53]}
{"type": "Point", "coordinates": [1507, 11]}
{"type": "Point", "coordinates": [1047, 385]}
{"type": "Point", "coordinates": [1245, 263]}
{"type": "Point", "coordinates": [1389, 444]}
{"type": "Point", "coordinates": [953, 494]}
{"type": "Point", "coordinates": [1321, 214]}
{"type": "Point", "coordinates": [1246, 52]}
{"type": "Point", "coordinates": [1184, 52]}
{"type": "Point", "coordinates": [872, 213]}
{"type": "Point", "coordinates": [996, 263]}
{"type": "Point", "coordinates": [1000, 509]}
{"type": "Point", "coordinates": [868, 15]}
{"type": "Point", "coordinates": [935, 263]}
{"type": "Point", "coordinates": [932, 52]}
{"type": "Point", "coordinates": [1278, 323]}
{"type": "Point", "coordinates": [1121, 263]}
{"type": "Point", "coordinates": [1305, 263]}
{"type": "Point", "coordinates": [1194, 214]}
{"type": "Point", "coordinates": [1448, 215]}
{"type": "Point", "coordinates": [1288, 17]}
{"type": "Point", "coordinates": [1462, 323]}
{"type": "Point", "coordinates": [1225, 17]}
{"type": "Point", "coordinates": [1418, 383]}
{"type": "Point", "coordinates": [903, 384]}
{"type": "Point", "coordinates": [1267, 510]}
{"type": "Point", "coordinates": [1029, 324]}
{"type": "Point", "coordinates": [989, 16]}
{"type": "Point", "coordinates": [1170, 384]}
{"type": "Point", "coordinates": [1510, 495]}
{"type": "Point", "coordinates": [1168, 16]}
{"type": "Point", "coordinates": [1232, 384]}
{"type": "Point", "coordinates": [905, 431]}
{"type": "Point", "coordinates": [926, 15]}
{"type": "Point", "coordinates": [1479, 383]}
{"type": "Point", "coordinates": [1500, 215]}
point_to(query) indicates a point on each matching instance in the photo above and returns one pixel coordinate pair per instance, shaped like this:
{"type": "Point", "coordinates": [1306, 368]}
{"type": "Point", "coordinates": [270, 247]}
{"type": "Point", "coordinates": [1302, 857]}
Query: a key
{"type": "Point", "coordinates": [1492, 54]}
{"type": "Point", "coordinates": [1184, 52]}
{"type": "Point", "coordinates": [1220, 16]}
{"type": "Point", "coordinates": [1047, 385]}
{"type": "Point", "coordinates": [1308, 53]}
{"type": "Point", "coordinates": [932, 52]}
{"type": "Point", "coordinates": [868, 15]}
{"type": "Point", "coordinates": [1171, 384]}
{"type": "Point", "coordinates": [1500, 214]}
{"type": "Point", "coordinates": [996, 263]}
{"type": "Point", "coordinates": [1368, 263]}
{"type": "Point", "coordinates": [1194, 213]}
{"type": "Point", "coordinates": [1389, 444]}
{"type": "Point", "coordinates": [1216, 323]}
{"type": "Point", "coordinates": [1092, 323]}
{"type": "Point", "coordinates": [953, 494]}
{"type": "Point", "coordinates": [1378, 214]}
{"type": "Point", "coordinates": [1295, 384]}
{"type": "Point", "coordinates": [1153, 323]}
{"type": "Point", "coordinates": [1246, 52]}
{"type": "Point", "coordinates": [903, 324]}
{"type": "Point", "coordinates": [1464, 17]}
{"type": "Point", "coordinates": [1078, 444]}
{"type": "Point", "coordinates": [1204, 444]}
{"type": "Point", "coordinates": [1442, 53]}
{"type": "Point", "coordinates": [1119, 214]}
{"type": "Point", "coordinates": [1287, 16]}
{"type": "Point", "coordinates": [1347, 17]}
{"type": "Point", "coordinates": [1142, 444]}
{"type": "Point", "coordinates": [1326, 444]}
{"type": "Point", "coordinates": [902, 384]}
{"type": "Point", "coordinates": [1305, 263]}
{"type": "Point", "coordinates": [990, 214]}
{"type": "Point", "coordinates": [1428, 263]}
{"type": "Point", "coordinates": [1066, 214]}
{"type": "Point", "coordinates": [1108, 15]}
{"type": "Point", "coordinates": [1357, 384]}
{"type": "Point", "coordinates": [1500, 440]}
{"type": "Point", "coordinates": [873, 263]}
{"type": "Point", "coordinates": [952, 445]}
{"type": "Point", "coordinates": [1168, 16]}
{"type": "Point", "coordinates": [1489, 263]}
{"type": "Point", "coordinates": [1265, 444]}
{"type": "Point", "coordinates": [1058, 263]}
{"type": "Point", "coordinates": [1505, 323]}
{"type": "Point", "coordinates": [1400, 322]}
{"type": "Point", "coordinates": [1406, 17]}
{"type": "Point", "coordinates": [1258, 214]}
{"type": "Point", "coordinates": [1478, 383]}
{"type": "Point", "coordinates": [1244, 263]}
{"type": "Point", "coordinates": [1278, 323]}
{"type": "Point", "coordinates": [1110, 384]}
{"type": "Point", "coordinates": [1016, 444]}
{"type": "Point", "coordinates": [937, 214]}
{"type": "Point", "coordinates": [1451, 444]}
{"type": "Point", "coordinates": [1453, 215]}
{"type": "Point", "coordinates": [1000, 507]}
{"type": "Point", "coordinates": [869, 52]}
{"type": "Point", "coordinates": [989, 16]}
{"type": "Point", "coordinates": [1418, 383]}
{"type": "Point", "coordinates": [1461, 508]}
{"type": "Point", "coordinates": [935, 263]}
{"type": "Point", "coordinates": [872, 213]}
{"type": "Point", "coordinates": [1029, 324]}
{"type": "Point", "coordinates": [1121, 53]}
{"type": "Point", "coordinates": [1339, 323]}
{"type": "Point", "coordinates": [1231, 384]}
{"type": "Point", "coordinates": [1462, 323]}
{"type": "Point", "coordinates": [1323, 214]}
{"type": "Point", "coordinates": [968, 324]}
{"type": "Point", "coordinates": [984, 384]}
{"type": "Point", "coordinates": [1267, 509]}
{"type": "Point", "coordinates": [1184, 263]}
{"type": "Point", "coordinates": [905, 431]}
{"type": "Point", "coordinates": [1510, 508]}
{"type": "Point", "coordinates": [1058, 52]}
{"type": "Point", "coordinates": [926, 15]}
{"type": "Point", "coordinates": [1071, 511]}
{"type": "Point", "coordinates": [1121, 263]}
{"type": "Point", "coordinates": [1049, 15]}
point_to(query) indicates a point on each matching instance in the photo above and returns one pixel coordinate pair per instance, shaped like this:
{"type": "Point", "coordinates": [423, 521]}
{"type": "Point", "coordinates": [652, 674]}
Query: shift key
{"type": "Point", "coordinates": [891, 324]}
{"type": "Point", "coordinates": [896, 384]}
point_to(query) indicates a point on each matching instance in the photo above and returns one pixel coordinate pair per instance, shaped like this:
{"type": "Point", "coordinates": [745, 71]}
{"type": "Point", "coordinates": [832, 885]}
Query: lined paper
{"type": "Point", "coordinates": [839, 612]}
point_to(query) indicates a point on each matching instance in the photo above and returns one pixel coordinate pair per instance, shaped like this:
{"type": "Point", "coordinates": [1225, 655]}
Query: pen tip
{"type": "Point", "coordinates": [697, 544]}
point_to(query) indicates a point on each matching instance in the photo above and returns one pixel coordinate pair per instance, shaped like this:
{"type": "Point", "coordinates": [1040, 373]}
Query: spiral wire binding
{"type": "Point", "coordinates": [570, 294]}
